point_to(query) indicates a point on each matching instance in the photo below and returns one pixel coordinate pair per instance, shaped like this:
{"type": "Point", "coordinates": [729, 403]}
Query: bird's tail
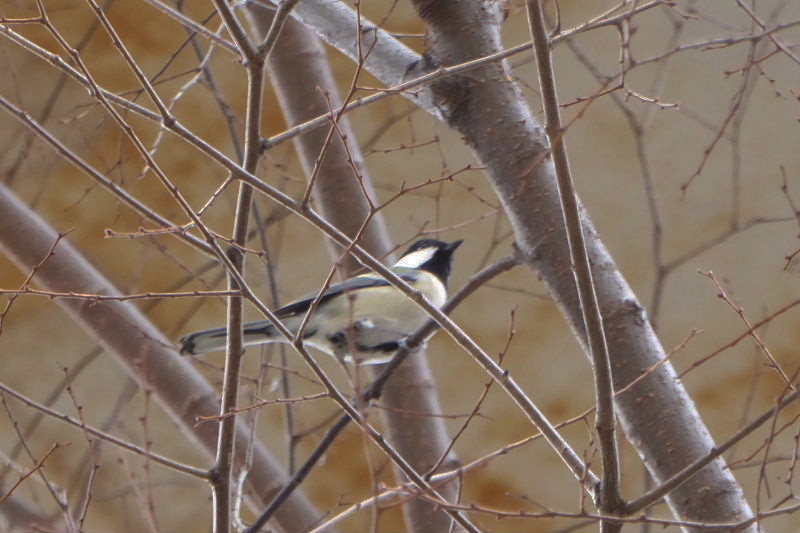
{"type": "Point", "coordinates": [211, 340]}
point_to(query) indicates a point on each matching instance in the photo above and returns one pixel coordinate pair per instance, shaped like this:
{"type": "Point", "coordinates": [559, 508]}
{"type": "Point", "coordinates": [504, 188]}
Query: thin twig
{"type": "Point", "coordinates": [193, 26]}
{"type": "Point", "coordinates": [87, 499]}
{"type": "Point", "coordinates": [263, 403]}
{"type": "Point", "coordinates": [723, 295]}
{"type": "Point", "coordinates": [58, 494]}
{"type": "Point", "coordinates": [39, 464]}
{"type": "Point", "coordinates": [121, 298]}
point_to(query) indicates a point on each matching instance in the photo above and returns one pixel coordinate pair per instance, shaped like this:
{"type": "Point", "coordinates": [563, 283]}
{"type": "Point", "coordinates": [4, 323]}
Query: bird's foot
{"type": "Point", "coordinates": [404, 344]}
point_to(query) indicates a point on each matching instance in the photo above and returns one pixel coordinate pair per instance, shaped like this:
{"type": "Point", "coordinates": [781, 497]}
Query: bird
{"type": "Point", "coordinates": [363, 319]}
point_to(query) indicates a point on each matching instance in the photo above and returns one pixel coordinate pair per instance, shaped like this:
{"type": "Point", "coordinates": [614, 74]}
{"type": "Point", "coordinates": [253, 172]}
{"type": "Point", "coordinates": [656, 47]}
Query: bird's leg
{"type": "Point", "coordinates": [416, 347]}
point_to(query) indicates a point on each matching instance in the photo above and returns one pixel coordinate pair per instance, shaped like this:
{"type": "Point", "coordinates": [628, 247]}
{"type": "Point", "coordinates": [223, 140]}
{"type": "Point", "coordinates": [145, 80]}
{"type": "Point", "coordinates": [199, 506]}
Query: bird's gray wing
{"type": "Point", "coordinates": [349, 285]}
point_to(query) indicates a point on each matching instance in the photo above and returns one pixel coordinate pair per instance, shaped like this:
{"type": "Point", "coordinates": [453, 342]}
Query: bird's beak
{"type": "Point", "coordinates": [453, 245]}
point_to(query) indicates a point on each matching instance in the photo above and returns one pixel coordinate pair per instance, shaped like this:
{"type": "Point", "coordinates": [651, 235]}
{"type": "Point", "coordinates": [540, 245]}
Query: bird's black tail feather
{"type": "Point", "coordinates": [211, 340]}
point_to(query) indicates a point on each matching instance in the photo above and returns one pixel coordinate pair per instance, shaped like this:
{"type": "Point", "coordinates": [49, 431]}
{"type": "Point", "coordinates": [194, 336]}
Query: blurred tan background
{"type": "Point", "coordinates": [741, 180]}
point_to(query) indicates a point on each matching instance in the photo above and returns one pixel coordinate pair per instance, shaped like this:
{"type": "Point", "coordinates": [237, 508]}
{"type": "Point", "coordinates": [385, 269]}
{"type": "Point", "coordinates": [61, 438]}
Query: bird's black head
{"type": "Point", "coordinates": [430, 255]}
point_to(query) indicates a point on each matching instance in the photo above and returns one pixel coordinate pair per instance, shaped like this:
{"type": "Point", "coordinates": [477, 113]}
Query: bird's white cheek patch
{"type": "Point", "coordinates": [416, 259]}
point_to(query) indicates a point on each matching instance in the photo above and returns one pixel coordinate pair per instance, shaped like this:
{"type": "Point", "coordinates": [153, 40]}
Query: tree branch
{"type": "Point", "coordinates": [608, 498]}
{"type": "Point", "coordinates": [223, 468]}
{"type": "Point", "coordinates": [172, 464]}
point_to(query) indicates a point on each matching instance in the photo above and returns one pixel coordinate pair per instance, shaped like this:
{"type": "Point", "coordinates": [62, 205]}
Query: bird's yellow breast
{"type": "Point", "coordinates": [387, 305]}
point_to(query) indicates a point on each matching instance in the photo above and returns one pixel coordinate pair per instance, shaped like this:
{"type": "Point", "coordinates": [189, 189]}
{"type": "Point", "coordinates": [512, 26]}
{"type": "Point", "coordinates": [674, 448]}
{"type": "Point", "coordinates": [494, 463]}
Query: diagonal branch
{"type": "Point", "coordinates": [172, 464]}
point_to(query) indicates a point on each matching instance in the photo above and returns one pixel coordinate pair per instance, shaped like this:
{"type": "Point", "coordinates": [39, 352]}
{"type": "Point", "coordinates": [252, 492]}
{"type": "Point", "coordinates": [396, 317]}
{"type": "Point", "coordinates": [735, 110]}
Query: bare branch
{"type": "Point", "coordinates": [608, 496]}
{"type": "Point", "coordinates": [26, 475]}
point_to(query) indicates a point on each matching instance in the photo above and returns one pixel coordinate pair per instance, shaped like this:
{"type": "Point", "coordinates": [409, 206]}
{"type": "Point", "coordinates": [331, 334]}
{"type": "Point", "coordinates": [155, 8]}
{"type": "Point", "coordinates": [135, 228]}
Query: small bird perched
{"type": "Point", "coordinates": [364, 314]}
